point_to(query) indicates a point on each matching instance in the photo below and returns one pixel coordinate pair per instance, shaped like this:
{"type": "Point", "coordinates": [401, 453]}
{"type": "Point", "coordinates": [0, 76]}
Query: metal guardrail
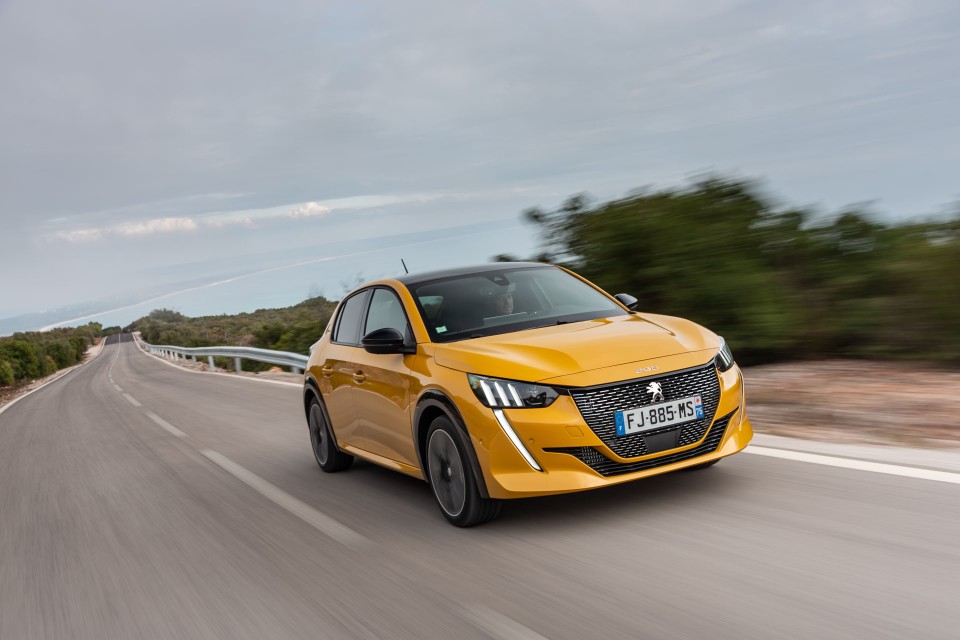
{"type": "Point", "coordinates": [295, 361]}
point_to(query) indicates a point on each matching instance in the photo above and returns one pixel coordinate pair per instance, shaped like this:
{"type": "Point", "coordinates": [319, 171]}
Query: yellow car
{"type": "Point", "coordinates": [512, 380]}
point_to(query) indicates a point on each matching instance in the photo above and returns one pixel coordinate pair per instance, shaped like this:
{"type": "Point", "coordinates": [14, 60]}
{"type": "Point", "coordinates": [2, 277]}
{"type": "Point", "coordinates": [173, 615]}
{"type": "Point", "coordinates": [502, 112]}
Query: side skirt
{"type": "Point", "coordinates": [393, 465]}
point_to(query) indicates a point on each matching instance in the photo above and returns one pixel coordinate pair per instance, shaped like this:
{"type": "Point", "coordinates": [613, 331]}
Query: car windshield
{"type": "Point", "coordinates": [503, 301]}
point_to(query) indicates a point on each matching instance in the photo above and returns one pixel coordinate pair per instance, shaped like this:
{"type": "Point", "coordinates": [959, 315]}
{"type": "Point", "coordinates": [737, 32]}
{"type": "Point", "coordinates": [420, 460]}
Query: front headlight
{"type": "Point", "coordinates": [505, 394]}
{"type": "Point", "coordinates": [724, 359]}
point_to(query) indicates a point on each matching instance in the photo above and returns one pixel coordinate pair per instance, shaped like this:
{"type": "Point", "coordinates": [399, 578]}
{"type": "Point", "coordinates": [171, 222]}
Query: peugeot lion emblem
{"type": "Point", "coordinates": [656, 390]}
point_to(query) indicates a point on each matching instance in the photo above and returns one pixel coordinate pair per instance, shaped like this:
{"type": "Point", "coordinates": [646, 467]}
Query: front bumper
{"type": "Point", "coordinates": [574, 458]}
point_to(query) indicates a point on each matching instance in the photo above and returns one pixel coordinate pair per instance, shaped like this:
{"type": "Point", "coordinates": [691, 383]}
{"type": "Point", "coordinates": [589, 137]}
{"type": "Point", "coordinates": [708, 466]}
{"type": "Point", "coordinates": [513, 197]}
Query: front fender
{"type": "Point", "coordinates": [434, 400]}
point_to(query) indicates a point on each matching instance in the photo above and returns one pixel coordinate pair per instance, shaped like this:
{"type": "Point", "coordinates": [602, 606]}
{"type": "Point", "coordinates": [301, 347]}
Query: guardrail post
{"type": "Point", "coordinates": [210, 362]}
{"type": "Point", "coordinates": [296, 370]}
{"type": "Point", "coordinates": [236, 365]}
{"type": "Point", "coordinates": [193, 359]}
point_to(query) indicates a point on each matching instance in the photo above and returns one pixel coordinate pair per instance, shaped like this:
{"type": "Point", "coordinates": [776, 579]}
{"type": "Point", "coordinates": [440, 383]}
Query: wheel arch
{"type": "Point", "coordinates": [311, 391]}
{"type": "Point", "coordinates": [431, 405]}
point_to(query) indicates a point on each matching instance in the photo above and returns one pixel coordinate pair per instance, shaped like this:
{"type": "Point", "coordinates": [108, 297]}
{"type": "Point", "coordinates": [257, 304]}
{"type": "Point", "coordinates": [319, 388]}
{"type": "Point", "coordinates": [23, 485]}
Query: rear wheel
{"type": "Point", "coordinates": [454, 486]}
{"type": "Point", "coordinates": [325, 450]}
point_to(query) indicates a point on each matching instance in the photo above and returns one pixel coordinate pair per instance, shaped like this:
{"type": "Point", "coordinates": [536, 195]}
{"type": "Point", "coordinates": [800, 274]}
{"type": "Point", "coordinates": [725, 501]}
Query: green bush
{"type": "Point", "coordinates": [24, 357]}
{"type": "Point", "coordinates": [777, 283]}
{"type": "Point", "coordinates": [6, 374]}
{"type": "Point", "coordinates": [288, 329]}
{"type": "Point", "coordinates": [31, 355]}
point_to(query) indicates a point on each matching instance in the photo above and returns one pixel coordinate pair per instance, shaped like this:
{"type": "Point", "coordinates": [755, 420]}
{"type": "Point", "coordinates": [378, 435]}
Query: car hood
{"type": "Point", "coordinates": [538, 355]}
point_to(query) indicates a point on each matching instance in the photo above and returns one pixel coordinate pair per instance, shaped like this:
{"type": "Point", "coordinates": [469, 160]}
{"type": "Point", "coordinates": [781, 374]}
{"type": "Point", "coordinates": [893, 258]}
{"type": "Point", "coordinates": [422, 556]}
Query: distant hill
{"type": "Point", "coordinates": [287, 329]}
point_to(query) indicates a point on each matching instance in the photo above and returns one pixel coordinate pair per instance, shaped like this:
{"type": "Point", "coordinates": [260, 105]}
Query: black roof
{"type": "Point", "coordinates": [412, 279]}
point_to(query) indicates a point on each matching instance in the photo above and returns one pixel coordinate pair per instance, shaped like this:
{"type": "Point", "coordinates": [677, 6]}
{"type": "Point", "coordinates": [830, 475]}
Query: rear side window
{"type": "Point", "coordinates": [347, 330]}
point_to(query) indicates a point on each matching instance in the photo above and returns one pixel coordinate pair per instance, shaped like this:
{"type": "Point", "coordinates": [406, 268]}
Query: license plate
{"type": "Point", "coordinates": [657, 416]}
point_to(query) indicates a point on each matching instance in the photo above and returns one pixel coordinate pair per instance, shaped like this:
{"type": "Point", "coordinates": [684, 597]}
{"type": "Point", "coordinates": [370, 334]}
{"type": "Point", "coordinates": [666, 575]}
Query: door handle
{"type": "Point", "coordinates": [359, 376]}
{"type": "Point", "coordinates": [326, 371]}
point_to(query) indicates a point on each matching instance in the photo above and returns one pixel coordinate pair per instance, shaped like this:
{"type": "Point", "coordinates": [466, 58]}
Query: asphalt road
{"type": "Point", "coordinates": [142, 501]}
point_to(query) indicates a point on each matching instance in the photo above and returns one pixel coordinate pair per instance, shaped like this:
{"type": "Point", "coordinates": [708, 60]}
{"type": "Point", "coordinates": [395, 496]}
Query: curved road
{"type": "Point", "coordinates": [142, 501]}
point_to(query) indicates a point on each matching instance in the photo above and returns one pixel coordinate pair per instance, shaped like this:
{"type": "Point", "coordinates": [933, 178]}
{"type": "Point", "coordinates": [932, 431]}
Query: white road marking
{"type": "Point", "coordinates": [117, 387]}
{"type": "Point", "coordinates": [859, 465]}
{"type": "Point", "coordinates": [132, 400]}
{"type": "Point", "coordinates": [322, 522]}
{"type": "Point", "coordinates": [166, 425]}
{"type": "Point", "coordinates": [499, 626]}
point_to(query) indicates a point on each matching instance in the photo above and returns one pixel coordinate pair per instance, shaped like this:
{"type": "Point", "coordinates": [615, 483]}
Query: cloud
{"type": "Point", "coordinates": [130, 229]}
{"type": "Point", "coordinates": [144, 228]}
{"type": "Point", "coordinates": [309, 210]}
{"type": "Point", "coordinates": [157, 225]}
{"type": "Point", "coordinates": [79, 235]}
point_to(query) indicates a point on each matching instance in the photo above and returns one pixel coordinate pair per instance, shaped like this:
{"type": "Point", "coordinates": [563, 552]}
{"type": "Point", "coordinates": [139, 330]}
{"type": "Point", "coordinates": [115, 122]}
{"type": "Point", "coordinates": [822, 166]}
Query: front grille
{"type": "Point", "coordinates": [598, 404]}
{"type": "Point", "coordinates": [607, 467]}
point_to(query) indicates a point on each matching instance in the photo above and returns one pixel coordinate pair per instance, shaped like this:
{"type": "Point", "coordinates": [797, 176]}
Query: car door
{"type": "Point", "coordinates": [382, 385]}
{"type": "Point", "coordinates": [339, 367]}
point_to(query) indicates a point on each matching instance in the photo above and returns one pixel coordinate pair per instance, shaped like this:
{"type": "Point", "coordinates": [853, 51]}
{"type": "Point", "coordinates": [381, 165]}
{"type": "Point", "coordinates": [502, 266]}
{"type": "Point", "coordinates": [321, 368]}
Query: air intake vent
{"type": "Point", "coordinates": [607, 467]}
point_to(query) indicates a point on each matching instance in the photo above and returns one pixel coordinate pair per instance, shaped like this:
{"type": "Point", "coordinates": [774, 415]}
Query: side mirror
{"type": "Point", "coordinates": [627, 300]}
{"type": "Point", "coordinates": [386, 340]}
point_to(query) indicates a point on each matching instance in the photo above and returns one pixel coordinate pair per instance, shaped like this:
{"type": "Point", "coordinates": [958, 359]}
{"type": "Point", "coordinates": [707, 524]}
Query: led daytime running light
{"type": "Point", "coordinates": [510, 394]}
{"type": "Point", "coordinates": [724, 359]}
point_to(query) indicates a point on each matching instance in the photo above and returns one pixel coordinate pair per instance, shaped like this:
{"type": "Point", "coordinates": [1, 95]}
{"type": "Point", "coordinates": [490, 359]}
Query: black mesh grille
{"type": "Point", "coordinates": [607, 467]}
{"type": "Point", "coordinates": [598, 404]}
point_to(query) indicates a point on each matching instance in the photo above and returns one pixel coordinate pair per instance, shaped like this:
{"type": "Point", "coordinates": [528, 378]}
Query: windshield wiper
{"type": "Point", "coordinates": [549, 324]}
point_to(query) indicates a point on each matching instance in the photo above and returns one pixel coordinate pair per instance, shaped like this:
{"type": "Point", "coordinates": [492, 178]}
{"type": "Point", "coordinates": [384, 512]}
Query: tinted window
{"type": "Point", "coordinates": [348, 322]}
{"type": "Point", "coordinates": [386, 311]}
{"type": "Point", "coordinates": [509, 300]}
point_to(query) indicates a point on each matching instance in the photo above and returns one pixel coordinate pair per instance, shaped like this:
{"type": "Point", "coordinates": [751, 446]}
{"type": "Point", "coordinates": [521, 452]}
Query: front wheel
{"type": "Point", "coordinates": [453, 484]}
{"type": "Point", "coordinates": [325, 450]}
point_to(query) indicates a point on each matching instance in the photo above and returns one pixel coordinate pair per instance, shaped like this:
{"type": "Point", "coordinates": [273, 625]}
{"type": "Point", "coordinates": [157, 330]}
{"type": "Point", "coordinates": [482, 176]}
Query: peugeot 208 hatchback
{"type": "Point", "coordinates": [511, 380]}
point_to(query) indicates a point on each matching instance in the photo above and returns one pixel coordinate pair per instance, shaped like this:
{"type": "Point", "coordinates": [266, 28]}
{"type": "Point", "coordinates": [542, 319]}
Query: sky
{"type": "Point", "coordinates": [216, 157]}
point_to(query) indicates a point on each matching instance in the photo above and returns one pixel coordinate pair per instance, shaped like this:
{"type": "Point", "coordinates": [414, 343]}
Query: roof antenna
{"type": "Point", "coordinates": [405, 270]}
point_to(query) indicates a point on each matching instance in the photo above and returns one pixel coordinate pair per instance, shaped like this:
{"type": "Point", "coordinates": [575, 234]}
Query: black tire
{"type": "Point", "coordinates": [325, 450]}
{"type": "Point", "coordinates": [452, 482]}
{"type": "Point", "coordinates": [705, 465]}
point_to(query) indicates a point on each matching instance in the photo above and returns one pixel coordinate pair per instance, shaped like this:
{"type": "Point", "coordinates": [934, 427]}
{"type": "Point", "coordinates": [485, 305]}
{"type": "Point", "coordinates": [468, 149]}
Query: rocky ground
{"type": "Point", "coordinates": [856, 402]}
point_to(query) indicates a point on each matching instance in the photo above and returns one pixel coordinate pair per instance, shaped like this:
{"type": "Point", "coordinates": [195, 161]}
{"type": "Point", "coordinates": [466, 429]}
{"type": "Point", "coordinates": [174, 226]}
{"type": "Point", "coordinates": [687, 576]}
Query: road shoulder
{"type": "Point", "coordinates": [938, 459]}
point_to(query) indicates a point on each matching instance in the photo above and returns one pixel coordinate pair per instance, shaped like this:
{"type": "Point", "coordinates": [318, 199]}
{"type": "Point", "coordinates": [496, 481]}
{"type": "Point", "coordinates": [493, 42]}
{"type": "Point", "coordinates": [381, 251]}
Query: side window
{"type": "Point", "coordinates": [386, 311]}
{"type": "Point", "coordinates": [348, 322]}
